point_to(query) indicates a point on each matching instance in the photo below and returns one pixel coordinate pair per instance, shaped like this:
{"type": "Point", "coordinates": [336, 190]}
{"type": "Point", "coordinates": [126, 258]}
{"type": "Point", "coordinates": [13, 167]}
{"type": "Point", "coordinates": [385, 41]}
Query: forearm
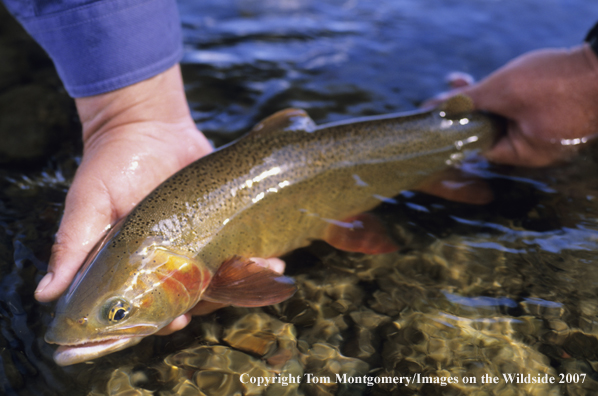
{"type": "Point", "coordinates": [160, 99]}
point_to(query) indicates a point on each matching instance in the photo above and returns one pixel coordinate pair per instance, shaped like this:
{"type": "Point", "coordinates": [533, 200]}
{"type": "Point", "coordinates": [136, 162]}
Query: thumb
{"type": "Point", "coordinates": [79, 231]}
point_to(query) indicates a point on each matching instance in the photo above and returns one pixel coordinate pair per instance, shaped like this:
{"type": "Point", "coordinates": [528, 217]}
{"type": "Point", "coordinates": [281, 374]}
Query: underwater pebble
{"type": "Point", "coordinates": [121, 384]}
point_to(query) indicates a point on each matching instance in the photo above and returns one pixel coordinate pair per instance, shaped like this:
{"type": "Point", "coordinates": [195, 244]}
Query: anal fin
{"type": "Point", "coordinates": [241, 282]}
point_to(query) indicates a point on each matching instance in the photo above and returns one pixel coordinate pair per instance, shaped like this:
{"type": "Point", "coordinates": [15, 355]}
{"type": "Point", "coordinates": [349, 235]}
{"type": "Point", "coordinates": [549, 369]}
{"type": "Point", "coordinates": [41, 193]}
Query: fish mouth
{"type": "Point", "coordinates": [66, 355]}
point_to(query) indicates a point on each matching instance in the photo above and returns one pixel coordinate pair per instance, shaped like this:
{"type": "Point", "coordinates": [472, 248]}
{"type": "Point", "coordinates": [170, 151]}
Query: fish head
{"type": "Point", "coordinates": [126, 290]}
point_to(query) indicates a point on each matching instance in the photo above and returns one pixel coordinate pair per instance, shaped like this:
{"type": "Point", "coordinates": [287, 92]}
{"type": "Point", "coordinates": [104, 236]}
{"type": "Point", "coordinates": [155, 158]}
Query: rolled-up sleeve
{"type": "Point", "coordinates": [100, 46]}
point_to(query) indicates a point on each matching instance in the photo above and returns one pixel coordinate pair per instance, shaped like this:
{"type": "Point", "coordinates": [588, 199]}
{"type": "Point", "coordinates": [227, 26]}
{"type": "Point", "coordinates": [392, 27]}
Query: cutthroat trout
{"type": "Point", "coordinates": [281, 186]}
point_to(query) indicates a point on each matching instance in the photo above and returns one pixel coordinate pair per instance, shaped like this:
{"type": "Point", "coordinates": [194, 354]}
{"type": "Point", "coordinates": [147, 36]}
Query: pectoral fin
{"type": "Point", "coordinates": [364, 233]}
{"type": "Point", "coordinates": [241, 282]}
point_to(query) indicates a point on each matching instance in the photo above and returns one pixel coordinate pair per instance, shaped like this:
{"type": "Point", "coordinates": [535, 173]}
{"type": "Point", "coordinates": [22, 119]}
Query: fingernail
{"type": "Point", "coordinates": [46, 280]}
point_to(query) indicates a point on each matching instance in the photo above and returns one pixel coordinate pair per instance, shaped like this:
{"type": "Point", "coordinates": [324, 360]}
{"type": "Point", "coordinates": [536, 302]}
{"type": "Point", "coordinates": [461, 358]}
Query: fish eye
{"type": "Point", "coordinates": [116, 310]}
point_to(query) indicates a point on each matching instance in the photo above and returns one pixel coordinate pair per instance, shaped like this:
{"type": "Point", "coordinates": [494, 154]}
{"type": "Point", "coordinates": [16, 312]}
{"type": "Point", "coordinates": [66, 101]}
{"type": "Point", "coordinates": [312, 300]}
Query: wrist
{"type": "Point", "coordinates": [157, 100]}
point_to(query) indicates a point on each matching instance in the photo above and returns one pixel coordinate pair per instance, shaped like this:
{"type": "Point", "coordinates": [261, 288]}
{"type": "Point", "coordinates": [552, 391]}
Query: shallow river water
{"type": "Point", "coordinates": [506, 290]}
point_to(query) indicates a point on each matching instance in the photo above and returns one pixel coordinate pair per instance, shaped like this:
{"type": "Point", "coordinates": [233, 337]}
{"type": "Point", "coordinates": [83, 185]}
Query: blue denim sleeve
{"type": "Point", "coordinates": [102, 45]}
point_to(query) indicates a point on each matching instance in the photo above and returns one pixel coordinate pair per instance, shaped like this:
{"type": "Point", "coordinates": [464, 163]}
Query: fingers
{"type": "Point", "coordinates": [180, 322]}
{"type": "Point", "coordinates": [205, 307]}
{"type": "Point", "coordinates": [516, 149]}
{"type": "Point", "coordinates": [177, 324]}
{"type": "Point", "coordinates": [493, 96]}
{"type": "Point", "coordinates": [458, 79]}
{"type": "Point", "coordinates": [504, 151]}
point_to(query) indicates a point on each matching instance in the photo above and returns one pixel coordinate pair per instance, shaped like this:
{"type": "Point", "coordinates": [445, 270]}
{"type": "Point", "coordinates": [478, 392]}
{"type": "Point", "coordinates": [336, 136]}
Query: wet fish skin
{"type": "Point", "coordinates": [268, 193]}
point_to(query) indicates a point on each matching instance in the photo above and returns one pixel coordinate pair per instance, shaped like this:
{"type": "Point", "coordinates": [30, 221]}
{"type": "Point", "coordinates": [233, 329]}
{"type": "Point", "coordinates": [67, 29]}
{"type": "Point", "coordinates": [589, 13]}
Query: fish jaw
{"type": "Point", "coordinates": [81, 348]}
{"type": "Point", "coordinates": [168, 284]}
{"type": "Point", "coordinates": [67, 355]}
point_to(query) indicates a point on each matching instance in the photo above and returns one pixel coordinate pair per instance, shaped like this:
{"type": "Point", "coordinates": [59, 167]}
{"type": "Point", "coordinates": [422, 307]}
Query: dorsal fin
{"type": "Point", "coordinates": [456, 106]}
{"type": "Point", "coordinates": [284, 120]}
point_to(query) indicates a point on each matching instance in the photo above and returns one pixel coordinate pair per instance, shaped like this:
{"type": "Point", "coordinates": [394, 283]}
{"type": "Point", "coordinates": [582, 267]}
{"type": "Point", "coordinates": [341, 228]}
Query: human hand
{"type": "Point", "coordinates": [134, 138]}
{"type": "Point", "coordinates": [550, 99]}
